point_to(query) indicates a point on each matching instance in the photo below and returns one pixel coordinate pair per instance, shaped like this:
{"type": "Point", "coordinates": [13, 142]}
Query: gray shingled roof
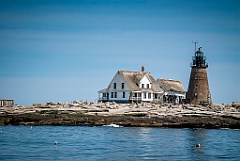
{"type": "Point", "coordinates": [133, 78]}
{"type": "Point", "coordinates": [171, 85]}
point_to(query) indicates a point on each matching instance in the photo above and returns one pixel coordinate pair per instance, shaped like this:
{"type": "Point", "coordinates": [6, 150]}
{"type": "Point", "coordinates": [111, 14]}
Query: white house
{"type": "Point", "coordinates": [174, 91]}
{"type": "Point", "coordinates": [132, 86]}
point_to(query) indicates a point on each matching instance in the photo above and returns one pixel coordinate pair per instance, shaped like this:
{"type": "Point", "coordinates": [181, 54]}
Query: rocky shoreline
{"type": "Point", "coordinates": [81, 113]}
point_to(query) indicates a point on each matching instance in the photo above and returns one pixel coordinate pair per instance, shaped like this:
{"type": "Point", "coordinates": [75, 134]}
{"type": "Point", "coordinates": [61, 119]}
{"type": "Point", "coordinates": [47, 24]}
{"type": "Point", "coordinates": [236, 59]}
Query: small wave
{"type": "Point", "coordinates": [228, 129]}
{"type": "Point", "coordinates": [112, 125]}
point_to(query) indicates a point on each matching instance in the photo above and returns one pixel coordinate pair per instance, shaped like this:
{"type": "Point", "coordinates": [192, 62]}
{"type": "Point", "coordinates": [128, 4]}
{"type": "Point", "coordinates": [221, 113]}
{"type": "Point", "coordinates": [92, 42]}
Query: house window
{"type": "Point", "coordinates": [147, 85]}
{"type": "Point", "coordinates": [142, 85]}
{"type": "Point", "coordinates": [145, 95]}
{"type": "Point", "coordinates": [115, 95]}
{"type": "Point", "coordinates": [115, 85]}
{"type": "Point", "coordinates": [122, 85]}
{"type": "Point", "coordinates": [123, 94]}
{"type": "Point", "coordinates": [149, 95]}
{"type": "Point", "coordinates": [111, 94]}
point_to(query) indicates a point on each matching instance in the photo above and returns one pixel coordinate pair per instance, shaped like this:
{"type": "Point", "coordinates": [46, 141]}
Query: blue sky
{"type": "Point", "coordinates": [68, 50]}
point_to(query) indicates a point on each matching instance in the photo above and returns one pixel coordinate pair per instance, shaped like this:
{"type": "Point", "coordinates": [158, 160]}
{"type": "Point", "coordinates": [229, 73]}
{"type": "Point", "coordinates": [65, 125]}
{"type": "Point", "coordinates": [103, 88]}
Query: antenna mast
{"type": "Point", "coordinates": [195, 43]}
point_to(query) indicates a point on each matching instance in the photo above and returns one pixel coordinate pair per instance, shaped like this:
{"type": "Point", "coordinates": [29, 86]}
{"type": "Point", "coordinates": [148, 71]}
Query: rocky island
{"type": "Point", "coordinates": [135, 115]}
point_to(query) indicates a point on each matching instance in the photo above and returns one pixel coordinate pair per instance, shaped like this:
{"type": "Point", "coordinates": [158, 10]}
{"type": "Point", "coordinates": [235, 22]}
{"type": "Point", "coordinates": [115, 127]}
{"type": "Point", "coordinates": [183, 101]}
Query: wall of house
{"type": "Point", "coordinates": [118, 92]}
{"type": "Point", "coordinates": [146, 95]}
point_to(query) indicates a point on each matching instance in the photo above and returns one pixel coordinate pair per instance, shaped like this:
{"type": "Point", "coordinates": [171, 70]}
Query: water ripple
{"type": "Point", "coordinates": [126, 143]}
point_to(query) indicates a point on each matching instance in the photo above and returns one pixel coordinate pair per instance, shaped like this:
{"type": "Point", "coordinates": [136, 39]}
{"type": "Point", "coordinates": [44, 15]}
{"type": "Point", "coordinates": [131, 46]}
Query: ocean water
{"type": "Point", "coordinates": [117, 143]}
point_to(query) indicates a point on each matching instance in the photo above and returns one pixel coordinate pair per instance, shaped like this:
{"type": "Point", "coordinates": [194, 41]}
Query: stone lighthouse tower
{"type": "Point", "coordinates": [198, 89]}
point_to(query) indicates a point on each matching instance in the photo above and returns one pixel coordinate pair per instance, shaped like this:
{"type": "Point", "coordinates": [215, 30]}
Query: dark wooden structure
{"type": "Point", "coordinates": [6, 103]}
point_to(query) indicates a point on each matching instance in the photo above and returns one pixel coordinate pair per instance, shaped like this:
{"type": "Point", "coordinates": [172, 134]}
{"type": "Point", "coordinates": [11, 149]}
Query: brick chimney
{"type": "Point", "coordinates": [142, 68]}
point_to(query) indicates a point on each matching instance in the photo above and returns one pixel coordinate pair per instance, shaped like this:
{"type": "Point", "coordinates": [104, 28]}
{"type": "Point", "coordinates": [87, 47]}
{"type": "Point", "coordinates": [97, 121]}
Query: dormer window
{"type": "Point", "coordinates": [142, 85]}
{"type": "Point", "coordinates": [147, 85]}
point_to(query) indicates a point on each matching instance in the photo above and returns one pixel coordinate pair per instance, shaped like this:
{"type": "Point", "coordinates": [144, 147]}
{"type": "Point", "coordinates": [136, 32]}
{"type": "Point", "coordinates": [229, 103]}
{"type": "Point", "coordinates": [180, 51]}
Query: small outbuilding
{"type": "Point", "coordinates": [174, 91]}
{"type": "Point", "coordinates": [6, 103]}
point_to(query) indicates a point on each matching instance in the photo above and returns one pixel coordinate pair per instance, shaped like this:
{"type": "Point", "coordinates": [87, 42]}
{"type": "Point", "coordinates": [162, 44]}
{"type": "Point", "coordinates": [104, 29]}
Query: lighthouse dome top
{"type": "Point", "coordinates": [199, 51]}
